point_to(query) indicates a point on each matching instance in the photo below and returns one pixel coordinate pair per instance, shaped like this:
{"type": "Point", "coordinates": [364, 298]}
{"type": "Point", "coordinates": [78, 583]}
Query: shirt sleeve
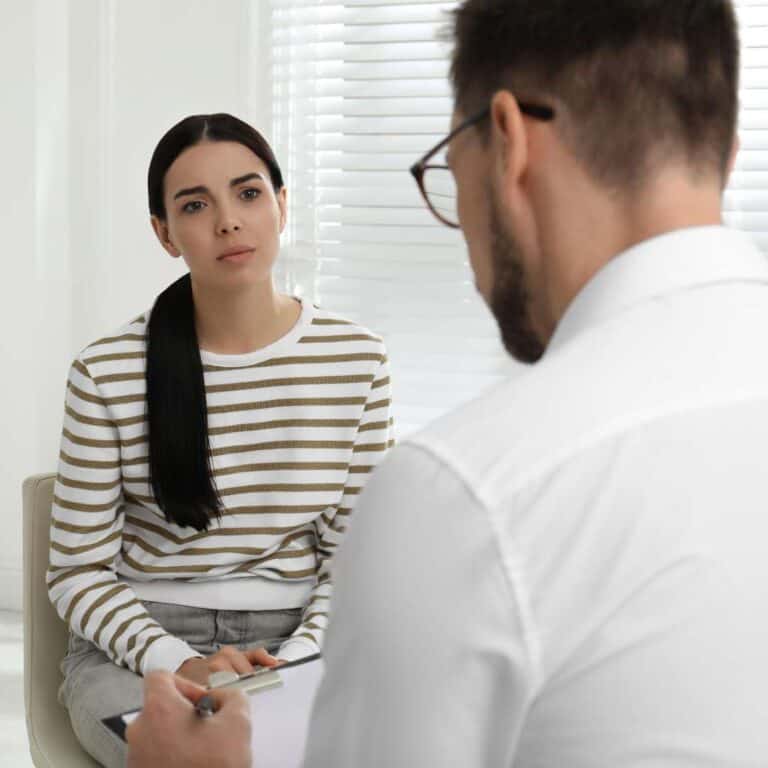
{"type": "Point", "coordinates": [375, 435]}
{"type": "Point", "coordinates": [426, 657]}
{"type": "Point", "coordinates": [86, 536]}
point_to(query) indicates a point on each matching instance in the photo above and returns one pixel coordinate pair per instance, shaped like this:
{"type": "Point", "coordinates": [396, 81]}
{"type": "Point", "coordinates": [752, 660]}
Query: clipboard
{"type": "Point", "coordinates": [260, 680]}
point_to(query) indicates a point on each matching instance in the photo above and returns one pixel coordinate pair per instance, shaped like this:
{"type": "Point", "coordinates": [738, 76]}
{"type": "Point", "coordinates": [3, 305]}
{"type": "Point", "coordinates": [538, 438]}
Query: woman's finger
{"type": "Point", "coordinates": [261, 656]}
{"type": "Point", "coordinates": [237, 659]}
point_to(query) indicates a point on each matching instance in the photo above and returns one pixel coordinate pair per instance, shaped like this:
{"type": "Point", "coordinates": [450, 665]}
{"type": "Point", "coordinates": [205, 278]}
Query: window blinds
{"type": "Point", "coordinates": [360, 91]}
{"type": "Point", "coordinates": [746, 199]}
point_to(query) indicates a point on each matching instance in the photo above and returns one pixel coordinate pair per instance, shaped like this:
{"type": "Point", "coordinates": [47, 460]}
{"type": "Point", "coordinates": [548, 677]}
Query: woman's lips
{"type": "Point", "coordinates": [236, 255]}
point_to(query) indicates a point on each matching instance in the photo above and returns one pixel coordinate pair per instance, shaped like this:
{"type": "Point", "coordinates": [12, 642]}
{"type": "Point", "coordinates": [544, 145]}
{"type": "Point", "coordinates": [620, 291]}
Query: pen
{"type": "Point", "coordinates": [205, 706]}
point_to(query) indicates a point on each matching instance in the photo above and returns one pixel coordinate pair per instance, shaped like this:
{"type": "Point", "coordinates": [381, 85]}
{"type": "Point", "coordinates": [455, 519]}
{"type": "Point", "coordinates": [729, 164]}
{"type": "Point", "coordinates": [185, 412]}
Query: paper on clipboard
{"type": "Point", "coordinates": [280, 718]}
{"type": "Point", "coordinates": [280, 711]}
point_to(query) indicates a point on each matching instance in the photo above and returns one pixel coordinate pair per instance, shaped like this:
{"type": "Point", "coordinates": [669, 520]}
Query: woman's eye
{"type": "Point", "coordinates": [193, 206]}
{"type": "Point", "coordinates": [250, 194]}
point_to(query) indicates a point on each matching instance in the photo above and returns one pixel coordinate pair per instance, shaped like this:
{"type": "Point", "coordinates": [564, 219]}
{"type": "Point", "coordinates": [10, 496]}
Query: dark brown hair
{"type": "Point", "coordinates": [640, 80]}
{"type": "Point", "coordinates": [179, 453]}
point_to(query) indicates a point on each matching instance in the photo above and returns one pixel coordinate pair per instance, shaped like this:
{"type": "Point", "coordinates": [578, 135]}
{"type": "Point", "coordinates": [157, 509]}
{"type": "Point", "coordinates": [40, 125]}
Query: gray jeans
{"type": "Point", "coordinates": [95, 687]}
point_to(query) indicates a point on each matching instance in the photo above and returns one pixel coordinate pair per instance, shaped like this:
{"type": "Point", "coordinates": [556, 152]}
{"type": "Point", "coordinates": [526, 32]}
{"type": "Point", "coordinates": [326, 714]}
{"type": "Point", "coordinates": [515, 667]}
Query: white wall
{"type": "Point", "coordinates": [88, 87]}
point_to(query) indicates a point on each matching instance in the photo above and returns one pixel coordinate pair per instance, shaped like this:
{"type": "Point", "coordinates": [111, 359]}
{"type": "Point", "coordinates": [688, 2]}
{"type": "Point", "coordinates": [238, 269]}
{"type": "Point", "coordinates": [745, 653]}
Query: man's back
{"type": "Point", "coordinates": [579, 556]}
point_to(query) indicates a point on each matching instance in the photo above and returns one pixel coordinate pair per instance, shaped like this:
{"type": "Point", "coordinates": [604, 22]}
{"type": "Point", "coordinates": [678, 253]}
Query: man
{"type": "Point", "coordinates": [571, 570]}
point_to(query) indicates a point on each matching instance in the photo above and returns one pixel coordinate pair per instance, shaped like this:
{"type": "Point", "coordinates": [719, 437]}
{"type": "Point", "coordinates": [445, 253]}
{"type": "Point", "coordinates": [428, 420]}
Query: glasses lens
{"type": "Point", "coordinates": [440, 189]}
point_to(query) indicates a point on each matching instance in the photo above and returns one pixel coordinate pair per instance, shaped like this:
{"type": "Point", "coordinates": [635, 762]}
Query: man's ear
{"type": "Point", "coordinates": [161, 231]}
{"type": "Point", "coordinates": [282, 202]}
{"type": "Point", "coordinates": [509, 140]}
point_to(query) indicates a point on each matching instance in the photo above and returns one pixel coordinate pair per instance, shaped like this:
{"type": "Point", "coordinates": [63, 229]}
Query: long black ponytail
{"type": "Point", "coordinates": [179, 451]}
{"type": "Point", "coordinates": [179, 464]}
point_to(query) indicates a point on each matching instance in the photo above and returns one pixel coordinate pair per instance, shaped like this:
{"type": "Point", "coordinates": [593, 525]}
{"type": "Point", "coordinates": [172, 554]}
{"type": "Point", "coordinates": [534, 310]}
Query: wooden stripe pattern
{"type": "Point", "coordinates": [295, 431]}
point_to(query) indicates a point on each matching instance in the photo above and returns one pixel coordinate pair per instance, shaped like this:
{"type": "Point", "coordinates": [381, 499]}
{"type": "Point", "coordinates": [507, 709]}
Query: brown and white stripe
{"type": "Point", "coordinates": [294, 429]}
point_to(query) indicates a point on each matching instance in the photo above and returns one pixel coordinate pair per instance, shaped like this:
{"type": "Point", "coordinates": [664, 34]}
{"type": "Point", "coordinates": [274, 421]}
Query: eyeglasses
{"type": "Point", "coordinates": [435, 180]}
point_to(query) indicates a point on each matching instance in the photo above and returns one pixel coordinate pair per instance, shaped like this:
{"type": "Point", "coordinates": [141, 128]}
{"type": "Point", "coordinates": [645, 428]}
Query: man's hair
{"type": "Point", "coordinates": [641, 80]}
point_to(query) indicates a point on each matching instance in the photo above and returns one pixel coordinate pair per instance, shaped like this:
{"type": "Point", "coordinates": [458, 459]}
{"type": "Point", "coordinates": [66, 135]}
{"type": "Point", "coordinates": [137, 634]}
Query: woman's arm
{"type": "Point", "coordinates": [86, 536]}
{"type": "Point", "coordinates": [374, 437]}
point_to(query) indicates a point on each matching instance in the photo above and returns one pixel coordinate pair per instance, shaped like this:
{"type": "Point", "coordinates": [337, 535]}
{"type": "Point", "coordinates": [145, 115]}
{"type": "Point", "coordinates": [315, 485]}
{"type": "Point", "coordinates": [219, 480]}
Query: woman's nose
{"type": "Point", "coordinates": [228, 221]}
{"type": "Point", "coordinates": [228, 226]}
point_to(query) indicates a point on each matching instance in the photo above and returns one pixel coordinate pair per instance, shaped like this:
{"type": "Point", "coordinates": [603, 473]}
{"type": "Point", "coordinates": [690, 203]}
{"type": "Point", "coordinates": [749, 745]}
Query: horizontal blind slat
{"type": "Point", "coordinates": [382, 107]}
{"type": "Point", "coordinates": [416, 143]}
{"type": "Point", "coordinates": [385, 89]}
{"type": "Point", "coordinates": [342, 252]}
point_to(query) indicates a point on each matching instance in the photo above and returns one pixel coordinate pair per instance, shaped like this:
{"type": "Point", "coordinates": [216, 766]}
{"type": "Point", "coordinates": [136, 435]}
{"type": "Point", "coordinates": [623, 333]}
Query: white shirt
{"type": "Point", "coordinates": [572, 570]}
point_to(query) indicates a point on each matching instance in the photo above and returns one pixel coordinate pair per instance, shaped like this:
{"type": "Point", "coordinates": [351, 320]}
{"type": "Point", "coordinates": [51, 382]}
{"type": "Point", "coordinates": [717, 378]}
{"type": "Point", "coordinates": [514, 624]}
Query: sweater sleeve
{"type": "Point", "coordinates": [375, 435]}
{"type": "Point", "coordinates": [86, 536]}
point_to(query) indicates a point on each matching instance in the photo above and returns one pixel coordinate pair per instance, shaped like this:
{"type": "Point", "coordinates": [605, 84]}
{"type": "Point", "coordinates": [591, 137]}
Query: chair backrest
{"type": "Point", "coordinates": [51, 740]}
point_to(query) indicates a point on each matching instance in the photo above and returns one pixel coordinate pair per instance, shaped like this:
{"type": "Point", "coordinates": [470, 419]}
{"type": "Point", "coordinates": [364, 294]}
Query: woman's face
{"type": "Point", "coordinates": [223, 216]}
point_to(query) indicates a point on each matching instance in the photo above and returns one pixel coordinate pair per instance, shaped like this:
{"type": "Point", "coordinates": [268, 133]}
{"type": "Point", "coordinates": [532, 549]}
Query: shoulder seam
{"type": "Point", "coordinates": [135, 327]}
{"type": "Point", "coordinates": [530, 636]}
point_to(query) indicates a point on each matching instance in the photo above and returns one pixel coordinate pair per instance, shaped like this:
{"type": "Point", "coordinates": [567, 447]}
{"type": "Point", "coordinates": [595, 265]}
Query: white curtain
{"type": "Point", "coordinates": [360, 91]}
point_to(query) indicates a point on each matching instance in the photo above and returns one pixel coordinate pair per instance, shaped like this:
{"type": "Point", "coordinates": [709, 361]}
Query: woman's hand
{"type": "Point", "coordinates": [227, 659]}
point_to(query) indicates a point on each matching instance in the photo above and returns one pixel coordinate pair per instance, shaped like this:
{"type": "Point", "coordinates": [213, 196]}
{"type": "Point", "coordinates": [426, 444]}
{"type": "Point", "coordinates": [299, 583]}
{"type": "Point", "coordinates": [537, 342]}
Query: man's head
{"type": "Point", "coordinates": [645, 100]}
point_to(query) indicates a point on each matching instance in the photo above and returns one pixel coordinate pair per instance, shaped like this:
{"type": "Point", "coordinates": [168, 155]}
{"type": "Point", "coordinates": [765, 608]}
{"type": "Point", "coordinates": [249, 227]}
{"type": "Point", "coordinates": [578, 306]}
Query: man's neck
{"type": "Point", "coordinates": [233, 323]}
{"type": "Point", "coordinates": [608, 226]}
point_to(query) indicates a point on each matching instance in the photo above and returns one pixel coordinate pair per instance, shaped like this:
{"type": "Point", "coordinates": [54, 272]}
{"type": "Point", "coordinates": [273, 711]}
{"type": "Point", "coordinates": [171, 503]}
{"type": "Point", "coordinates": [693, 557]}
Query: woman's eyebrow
{"type": "Point", "coordinates": [243, 179]}
{"type": "Point", "coordinates": [202, 190]}
{"type": "Point", "coordinates": [191, 191]}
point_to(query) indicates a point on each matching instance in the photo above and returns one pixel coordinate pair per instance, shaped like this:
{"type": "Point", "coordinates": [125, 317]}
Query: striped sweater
{"type": "Point", "coordinates": [294, 430]}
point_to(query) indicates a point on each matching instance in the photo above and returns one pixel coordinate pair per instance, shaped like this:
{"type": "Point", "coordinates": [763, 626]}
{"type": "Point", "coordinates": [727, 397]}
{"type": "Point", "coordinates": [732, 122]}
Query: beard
{"type": "Point", "coordinates": [510, 302]}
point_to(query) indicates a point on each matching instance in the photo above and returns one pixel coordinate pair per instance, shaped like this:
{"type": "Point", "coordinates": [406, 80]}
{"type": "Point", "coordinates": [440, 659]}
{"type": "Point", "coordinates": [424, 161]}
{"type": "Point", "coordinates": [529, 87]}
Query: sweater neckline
{"type": "Point", "coordinates": [264, 353]}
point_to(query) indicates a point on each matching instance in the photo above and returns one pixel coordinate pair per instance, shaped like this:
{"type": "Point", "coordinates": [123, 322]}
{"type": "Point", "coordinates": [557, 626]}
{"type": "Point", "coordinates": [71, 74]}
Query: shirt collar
{"type": "Point", "coordinates": [669, 263]}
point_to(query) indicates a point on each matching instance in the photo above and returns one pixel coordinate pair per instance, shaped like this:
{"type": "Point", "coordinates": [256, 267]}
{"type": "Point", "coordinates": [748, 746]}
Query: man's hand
{"type": "Point", "coordinates": [169, 734]}
{"type": "Point", "coordinates": [228, 659]}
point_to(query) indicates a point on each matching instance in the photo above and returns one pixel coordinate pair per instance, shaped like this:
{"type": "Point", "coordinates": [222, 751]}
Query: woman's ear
{"type": "Point", "coordinates": [282, 202]}
{"type": "Point", "coordinates": [161, 231]}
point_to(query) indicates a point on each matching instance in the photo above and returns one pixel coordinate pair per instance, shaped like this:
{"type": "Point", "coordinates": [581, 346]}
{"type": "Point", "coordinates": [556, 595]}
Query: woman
{"type": "Point", "coordinates": [212, 449]}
